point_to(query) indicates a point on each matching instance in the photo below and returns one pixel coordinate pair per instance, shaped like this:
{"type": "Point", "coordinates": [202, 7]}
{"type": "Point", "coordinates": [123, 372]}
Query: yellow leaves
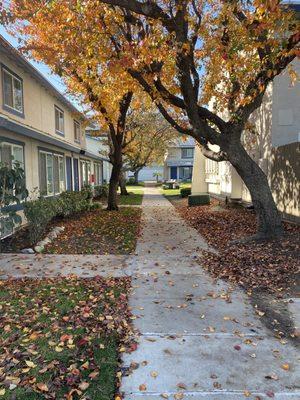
{"type": "Point", "coordinates": [293, 75]}
{"type": "Point", "coordinates": [2, 392]}
{"type": "Point", "coordinates": [154, 374]}
{"type": "Point", "coordinates": [30, 364]}
{"type": "Point", "coordinates": [285, 367]}
{"type": "Point", "coordinates": [59, 349]}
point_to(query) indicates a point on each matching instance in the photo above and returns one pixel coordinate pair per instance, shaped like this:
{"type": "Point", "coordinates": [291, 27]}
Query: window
{"type": "Point", "coordinates": [187, 153]}
{"type": "Point", "coordinates": [98, 173]}
{"type": "Point", "coordinates": [59, 121]}
{"type": "Point", "coordinates": [12, 92]}
{"type": "Point", "coordinates": [12, 154]}
{"type": "Point", "coordinates": [185, 173]}
{"type": "Point", "coordinates": [77, 131]}
{"type": "Point", "coordinates": [85, 172]}
{"type": "Point", "coordinates": [52, 173]}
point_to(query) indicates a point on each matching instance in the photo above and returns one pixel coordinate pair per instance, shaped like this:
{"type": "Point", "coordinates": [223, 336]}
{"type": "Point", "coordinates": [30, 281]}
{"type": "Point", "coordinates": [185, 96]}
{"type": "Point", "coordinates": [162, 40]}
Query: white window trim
{"type": "Point", "coordinates": [14, 77]}
{"type": "Point", "coordinates": [59, 180]}
{"type": "Point", "coordinates": [191, 149]}
{"type": "Point", "coordinates": [76, 123]}
{"type": "Point", "coordinates": [23, 153]}
{"type": "Point", "coordinates": [56, 108]}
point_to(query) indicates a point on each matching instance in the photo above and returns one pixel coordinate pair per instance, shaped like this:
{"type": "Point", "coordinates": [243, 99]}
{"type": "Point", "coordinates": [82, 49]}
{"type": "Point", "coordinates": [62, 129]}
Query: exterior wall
{"type": "Point", "coordinates": [95, 146]}
{"type": "Point", "coordinates": [35, 130]}
{"type": "Point", "coordinates": [39, 112]}
{"type": "Point", "coordinates": [146, 174]}
{"type": "Point", "coordinates": [275, 147]}
{"type": "Point", "coordinates": [174, 159]}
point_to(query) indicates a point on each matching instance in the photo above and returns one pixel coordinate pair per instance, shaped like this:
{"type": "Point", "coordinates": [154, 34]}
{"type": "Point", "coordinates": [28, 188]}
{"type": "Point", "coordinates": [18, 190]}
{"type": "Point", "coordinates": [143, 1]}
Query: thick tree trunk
{"type": "Point", "coordinates": [136, 176]}
{"type": "Point", "coordinates": [113, 187]}
{"type": "Point", "coordinates": [122, 183]}
{"type": "Point", "coordinates": [269, 222]}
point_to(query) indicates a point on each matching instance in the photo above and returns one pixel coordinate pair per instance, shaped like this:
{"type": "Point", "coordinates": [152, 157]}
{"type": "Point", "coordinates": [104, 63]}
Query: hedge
{"type": "Point", "coordinates": [40, 212]}
{"type": "Point", "coordinates": [185, 192]}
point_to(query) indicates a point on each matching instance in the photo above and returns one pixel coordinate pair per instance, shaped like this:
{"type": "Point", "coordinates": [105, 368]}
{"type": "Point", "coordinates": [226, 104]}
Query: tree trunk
{"type": "Point", "coordinates": [269, 222]}
{"type": "Point", "coordinates": [113, 187]}
{"type": "Point", "coordinates": [136, 176]}
{"type": "Point", "coordinates": [122, 183]}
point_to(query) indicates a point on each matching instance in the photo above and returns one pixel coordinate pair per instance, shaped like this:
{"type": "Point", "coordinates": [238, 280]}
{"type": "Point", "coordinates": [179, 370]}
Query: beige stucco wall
{"type": "Point", "coordinates": [31, 151]}
{"type": "Point", "coordinates": [274, 146]}
{"type": "Point", "coordinates": [39, 107]}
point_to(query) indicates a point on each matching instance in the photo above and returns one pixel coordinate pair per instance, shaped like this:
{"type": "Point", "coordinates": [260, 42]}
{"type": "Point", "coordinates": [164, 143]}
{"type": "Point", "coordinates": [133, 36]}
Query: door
{"type": "Point", "coordinates": [69, 173]}
{"type": "Point", "coordinates": [76, 175]}
{"type": "Point", "coordinates": [173, 173]}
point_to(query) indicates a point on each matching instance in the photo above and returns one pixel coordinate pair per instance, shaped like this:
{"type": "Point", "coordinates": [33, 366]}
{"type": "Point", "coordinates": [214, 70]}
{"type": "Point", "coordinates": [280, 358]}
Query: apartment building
{"type": "Point", "coordinates": [42, 130]}
{"type": "Point", "coordinates": [275, 147]}
{"type": "Point", "coordinates": [178, 163]}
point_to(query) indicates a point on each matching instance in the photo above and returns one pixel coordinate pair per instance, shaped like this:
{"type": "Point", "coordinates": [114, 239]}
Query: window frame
{"type": "Point", "coordinates": [61, 161]}
{"type": "Point", "coordinates": [15, 143]}
{"type": "Point", "coordinates": [87, 172]}
{"type": "Point", "coordinates": [187, 148]}
{"type": "Point", "coordinates": [6, 107]}
{"type": "Point", "coordinates": [77, 123]}
{"type": "Point", "coordinates": [57, 131]}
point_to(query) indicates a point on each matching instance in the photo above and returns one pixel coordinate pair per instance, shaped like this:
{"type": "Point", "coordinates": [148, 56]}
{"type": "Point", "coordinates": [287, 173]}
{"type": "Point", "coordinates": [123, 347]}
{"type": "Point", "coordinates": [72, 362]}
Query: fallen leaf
{"type": "Point", "coordinates": [42, 387]}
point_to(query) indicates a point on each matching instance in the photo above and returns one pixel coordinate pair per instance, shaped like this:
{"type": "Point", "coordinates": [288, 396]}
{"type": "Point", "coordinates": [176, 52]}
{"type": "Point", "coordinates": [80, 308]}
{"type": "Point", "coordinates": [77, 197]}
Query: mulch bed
{"type": "Point", "coordinates": [269, 265]}
{"type": "Point", "coordinates": [62, 338]}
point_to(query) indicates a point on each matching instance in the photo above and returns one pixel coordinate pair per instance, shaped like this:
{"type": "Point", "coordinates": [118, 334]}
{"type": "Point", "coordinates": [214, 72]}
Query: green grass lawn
{"type": "Point", "coordinates": [135, 196]}
{"type": "Point", "coordinates": [61, 337]}
{"type": "Point", "coordinates": [175, 192]}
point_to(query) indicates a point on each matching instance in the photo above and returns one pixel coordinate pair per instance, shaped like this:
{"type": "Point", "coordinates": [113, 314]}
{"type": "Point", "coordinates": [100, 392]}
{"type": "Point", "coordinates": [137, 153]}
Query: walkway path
{"type": "Point", "coordinates": [199, 339]}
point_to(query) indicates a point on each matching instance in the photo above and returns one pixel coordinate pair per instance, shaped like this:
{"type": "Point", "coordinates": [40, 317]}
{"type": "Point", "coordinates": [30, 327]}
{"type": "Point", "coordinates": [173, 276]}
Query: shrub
{"type": "Point", "coordinates": [101, 191]}
{"type": "Point", "coordinates": [40, 212]}
{"type": "Point", "coordinates": [88, 191]}
{"type": "Point", "coordinates": [73, 202]}
{"type": "Point", "coordinates": [96, 206]}
{"type": "Point", "coordinates": [185, 192]}
{"type": "Point", "coordinates": [131, 181]}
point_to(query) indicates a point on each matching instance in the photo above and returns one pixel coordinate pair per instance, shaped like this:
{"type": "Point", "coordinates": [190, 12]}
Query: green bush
{"type": "Point", "coordinates": [88, 191]}
{"type": "Point", "coordinates": [40, 212]}
{"type": "Point", "coordinates": [69, 203]}
{"type": "Point", "coordinates": [185, 192]}
{"type": "Point", "coordinates": [101, 191]}
{"type": "Point", "coordinates": [96, 206]}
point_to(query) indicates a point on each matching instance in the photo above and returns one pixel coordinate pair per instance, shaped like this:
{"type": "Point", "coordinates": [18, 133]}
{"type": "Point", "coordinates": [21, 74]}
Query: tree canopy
{"type": "Point", "coordinates": [206, 64]}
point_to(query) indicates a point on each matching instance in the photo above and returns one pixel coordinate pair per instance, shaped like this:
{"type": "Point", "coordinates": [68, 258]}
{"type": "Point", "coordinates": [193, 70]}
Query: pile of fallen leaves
{"type": "Point", "coordinates": [271, 265]}
{"type": "Point", "coordinates": [61, 338]}
{"type": "Point", "coordinates": [98, 232]}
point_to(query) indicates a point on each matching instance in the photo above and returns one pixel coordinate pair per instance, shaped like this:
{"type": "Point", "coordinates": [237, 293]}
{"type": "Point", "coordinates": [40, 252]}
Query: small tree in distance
{"type": "Point", "coordinates": [148, 140]}
{"type": "Point", "coordinates": [184, 54]}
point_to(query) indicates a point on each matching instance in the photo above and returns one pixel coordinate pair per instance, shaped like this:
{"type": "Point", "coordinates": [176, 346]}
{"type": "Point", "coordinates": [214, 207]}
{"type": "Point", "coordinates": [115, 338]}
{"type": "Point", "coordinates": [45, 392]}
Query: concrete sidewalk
{"type": "Point", "coordinates": [199, 339]}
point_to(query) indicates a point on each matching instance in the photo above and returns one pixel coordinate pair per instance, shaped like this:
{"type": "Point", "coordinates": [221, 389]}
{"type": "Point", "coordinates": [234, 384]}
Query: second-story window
{"type": "Point", "coordinates": [187, 153]}
{"type": "Point", "coordinates": [59, 121]}
{"type": "Point", "coordinates": [12, 91]}
{"type": "Point", "coordinates": [77, 131]}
